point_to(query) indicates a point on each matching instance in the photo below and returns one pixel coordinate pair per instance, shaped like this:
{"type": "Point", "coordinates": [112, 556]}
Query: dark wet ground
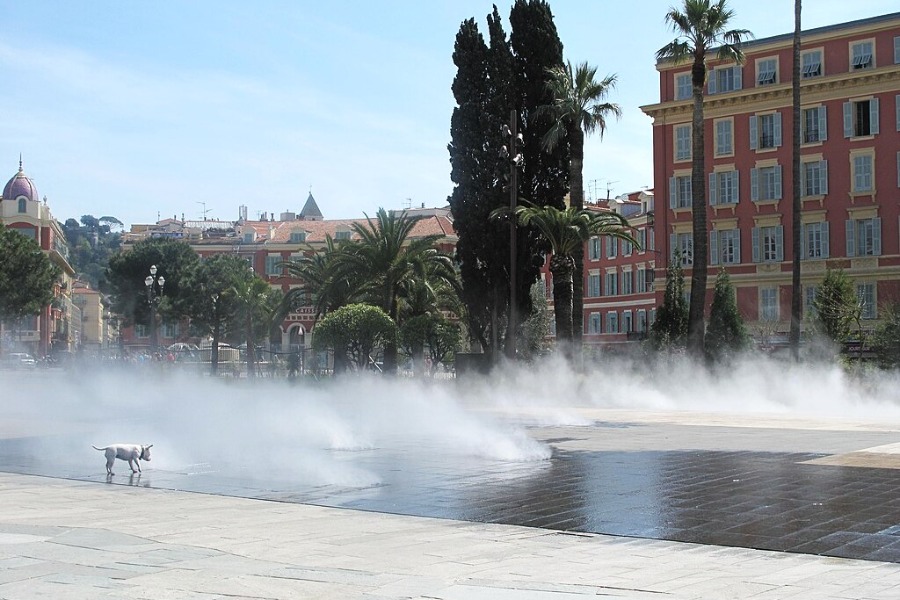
{"type": "Point", "coordinates": [748, 498]}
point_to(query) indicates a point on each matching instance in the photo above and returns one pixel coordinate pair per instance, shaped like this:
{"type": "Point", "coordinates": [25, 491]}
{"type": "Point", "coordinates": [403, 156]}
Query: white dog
{"type": "Point", "coordinates": [133, 453]}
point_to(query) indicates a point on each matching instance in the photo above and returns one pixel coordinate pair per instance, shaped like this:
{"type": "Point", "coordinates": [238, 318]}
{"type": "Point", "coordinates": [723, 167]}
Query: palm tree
{"type": "Point", "coordinates": [320, 287]}
{"type": "Point", "coordinates": [700, 26]}
{"type": "Point", "coordinates": [255, 303]}
{"type": "Point", "coordinates": [384, 262]}
{"type": "Point", "coordinates": [578, 109]}
{"type": "Point", "coordinates": [796, 305]}
{"type": "Point", "coordinates": [566, 231]}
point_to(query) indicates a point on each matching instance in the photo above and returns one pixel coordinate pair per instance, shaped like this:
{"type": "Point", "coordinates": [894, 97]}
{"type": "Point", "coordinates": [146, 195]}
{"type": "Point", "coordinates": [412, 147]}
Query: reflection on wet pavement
{"type": "Point", "coordinates": [753, 499]}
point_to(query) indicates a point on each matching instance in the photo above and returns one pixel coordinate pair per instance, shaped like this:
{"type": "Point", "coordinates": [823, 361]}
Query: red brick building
{"type": "Point", "coordinates": [850, 154]}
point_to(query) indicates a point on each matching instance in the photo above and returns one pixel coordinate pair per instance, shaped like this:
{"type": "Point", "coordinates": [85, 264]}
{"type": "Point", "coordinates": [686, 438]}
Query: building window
{"type": "Point", "coordinates": [861, 117]}
{"type": "Point", "coordinates": [684, 89]}
{"type": "Point", "coordinates": [862, 55]}
{"type": "Point", "coordinates": [612, 247]}
{"type": "Point", "coordinates": [342, 235]}
{"type": "Point", "coordinates": [862, 172]}
{"type": "Point", "coordinates": [641, 280]}
{"type": "Point", "coordinates": [765, 131]}
{"type": "Point", "coordinates": [865, 293]}
{"type": "Point", "coordinates": [612, 284]}
{"type": "Point", "coordinates": [594, 248]}
{"type": "Point", "coordinates": [612, 322]}
{"type": "Point", "coordinates": [723, 187]}
{"type": "Point", "coordinates": [298, 237]}
{"type": "Point", "coordinates": [811, 64]}
{"type": "Point", "coordinates": [725, 246]}
{"type": "Point", "coordinates": [814, 178]}
{"type": "Point", "coordinates": [768, 244]}
{"type": "Point", "coordinates": [814, 239]}
{"type": "Point", "coordinates": [768, 305]}
{"type": "Point", "coordinates": [864, 237]}
{"type": "Point", "coordinates": [765, 183]}
{"type": "Point", "coordinates": [273, 264]}
{"type": "Point", "coordinates": [141, 330]}
{"type": "Point", "coordinates": [683, 245]}
{"type": "Point", "coordinates": [627, 282]}
{"type": "Point", "coordinates": [594, 323]}
{"type": "Point", "coordinates": [766, 71]}
{"type": "Point", "coordinates": [642, 320]}
{"type": "Point", "coordinates": [642, 239]}
{"type": "Point", "coordinates": [809, 300]}
{"type": "Point", "coordinates": [593, 290]}
{"type": "Point", "coordinates": [170, 330]}
{"type": "Point", "coordinates": [627, 248]}
{"type": "Point", "coordinates": [626, 321]}
{"type": "Point", "coordinates": [724, 137]}
{"type": "Point", "coordinates": [725, 79]}
{"type": "Point", "coordinates": [680, 191]}
{"type": "Point", "coordinates": [23, 204]}
{"type": "Point", "coordinates": [682, 142]}
{"type": "Point", "coordinates": [814, 125]}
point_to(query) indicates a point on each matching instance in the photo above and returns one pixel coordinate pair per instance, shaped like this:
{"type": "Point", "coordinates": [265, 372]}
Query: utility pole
{"type": "Point", "coordinates": [516, 141]}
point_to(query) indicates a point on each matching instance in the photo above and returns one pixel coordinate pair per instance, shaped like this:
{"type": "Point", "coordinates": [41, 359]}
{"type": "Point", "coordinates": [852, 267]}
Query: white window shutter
{"type": "Point", "coordinates": [672, 192]}
{"type": "Point", "coordinates": [823, 177]}
{"type": "Point", "coordinates": [737, 186]}
{"type": "Point", "coordinates": [737, 246]}
{"type": "Point", "coordinates": [825, 243]}
{"type": "Point", "coordinates": [777, 127]}
{"type": "Point", "coordinates": [851, 237]}
{"type": "Point", "coordinates": [876, 236]}
{"type": "Point", "coordinates": [823, 123]}
{"type": "Point", "coordinates": [673, 240]}
{"type": "Point", "coordinates": [755, 235]}
{"type": "Point", "coordinates": [738, 77]}
{"type": "Point", "coordinates": [754, 184]}
{"type": "Point", "coordinates": [714, 247]}
{"type": "Point", "coordinates": [848, 119]}
{"type": "Point", "coordinates": [712, 81]}
{"type": "Point", "coordinates": [873, 116]}
{"type": "Point", "coordinates": [754, 136]}
{"type": "Point", "coordinates": [778, 182]}
{"type": "Point", "coordinates": [804, 251]}
{"type": "Point", "coordinates": [712, 189]}
{"type": "Point", "coordinates": [779, 243]}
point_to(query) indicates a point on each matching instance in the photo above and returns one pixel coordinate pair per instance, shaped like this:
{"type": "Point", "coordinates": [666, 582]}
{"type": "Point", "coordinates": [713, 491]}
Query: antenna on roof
{"type": "Point", "coordinates": [205, 210]}
{"type": "Point", "coordinates": [407, 204]}
{"type": "Point", "coordinates": [609, 187]}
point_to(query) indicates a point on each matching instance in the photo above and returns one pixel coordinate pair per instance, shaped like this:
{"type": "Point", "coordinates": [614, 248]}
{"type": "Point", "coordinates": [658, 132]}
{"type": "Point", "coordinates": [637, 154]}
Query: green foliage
{"type": "Point", "coordinates": [536, 328]}
{"type": "Point", "coordinates": [27, 276]}
{"type": "Point", "coordinates": [355, 332]}
{"type": "Point", "coordinates": [256, 305]}
{"type": "Point", "coordinates": [726, 335]}
{"type": "Point", "coordinates": [886, 341]}
{"type": "Point", "coordinates": [92, 243]}
{"type": "Point", "coordinates": [492, 80]}
{"type": "Point", "coordinates": [433, 333]}
{"type": "Point", "coordinates": [126, 273]}
{"type": "Point", "coordinates": [322, 287]}
{"type": "Point", "coordinates": [669, 330]}
{"type": "Point", "coordinates": [836, 305]}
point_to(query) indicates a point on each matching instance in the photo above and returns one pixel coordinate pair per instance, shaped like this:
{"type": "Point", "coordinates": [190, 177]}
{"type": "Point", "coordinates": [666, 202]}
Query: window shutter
{"type": "Point", "coordinates": [754, 184]}
{"type": "Point", "coordinates": [778, 182]}
{"type": "Point", "coordinates": [873, 116]}
{"type": "Point", "coordinates": [737, 186]}
{"type": "Point", "coordinates": [673, 239]}
{"type": "Point", "coordinates": [897, 104]}
{"type": "Point", "coordinates": [672, 192]}
{"type": "Point", "coordinates": [713, 247]}
{"type": "Point", "coordinates": [755, 234]}
{"type": "Point", "coordinates": [825, 244]}
{"type": "Point", "coordinates": [712, 189]}
{"type": "Point", "coordinates": [851, 237]}
{"type": "Point", "coordinates": [737, 246]}
{"type": "Point", "coordinates": [876, 236]}
{"type": "Point", "coordinates": [823, 123]}
{"type": "Point", "coordinates": [712, 81]}
{"type": "Point", "coordinates": [754, 136]}
{"type": "Point", "coordinates": [823, 176]}
{"type": "Point", "coordinates": [779, 243]}
{"type": "Point", "coordinates": [777, 127]}
{"type": "Point", "coordinates": [897, 50]}
{"type": "Point", "coordinates": [738, 77]}
{"type": "Point", "coordinates": [804, 245]}
{"type": "Point", "coordinates": [848, 119]}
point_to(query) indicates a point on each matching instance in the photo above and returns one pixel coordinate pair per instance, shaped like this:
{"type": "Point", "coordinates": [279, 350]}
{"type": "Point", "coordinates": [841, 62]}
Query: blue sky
{"type": "Point", "coordinates": [139, 109]}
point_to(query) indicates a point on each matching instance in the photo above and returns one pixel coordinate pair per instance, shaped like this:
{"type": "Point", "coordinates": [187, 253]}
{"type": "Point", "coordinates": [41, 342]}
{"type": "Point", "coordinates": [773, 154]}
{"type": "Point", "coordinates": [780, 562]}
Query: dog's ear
{"type": "Point", "coordinates": [150, 446]}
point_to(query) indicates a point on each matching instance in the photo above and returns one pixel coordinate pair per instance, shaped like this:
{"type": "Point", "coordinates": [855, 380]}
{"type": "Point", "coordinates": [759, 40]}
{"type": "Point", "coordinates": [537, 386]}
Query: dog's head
{"type": "Point", "coordinates": [145, 452]}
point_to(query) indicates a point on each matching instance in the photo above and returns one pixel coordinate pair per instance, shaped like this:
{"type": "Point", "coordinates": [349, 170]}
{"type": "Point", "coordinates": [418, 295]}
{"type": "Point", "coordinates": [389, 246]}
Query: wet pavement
{"type": "Point", "coordinates": [824, 490]}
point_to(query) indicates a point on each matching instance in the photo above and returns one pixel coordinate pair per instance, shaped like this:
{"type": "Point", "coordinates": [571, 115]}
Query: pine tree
{"type": "Point", "coordinates": [726, 335]}
{"type": "Point", "coordinates": [836, 305]}
{"type": "Point", "coordinates": [669, 330]}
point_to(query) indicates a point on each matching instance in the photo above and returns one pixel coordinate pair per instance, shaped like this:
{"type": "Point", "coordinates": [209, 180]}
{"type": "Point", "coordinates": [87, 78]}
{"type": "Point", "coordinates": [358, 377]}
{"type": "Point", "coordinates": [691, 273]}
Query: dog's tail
{"type": "Point", "coordinates": [96, 448]}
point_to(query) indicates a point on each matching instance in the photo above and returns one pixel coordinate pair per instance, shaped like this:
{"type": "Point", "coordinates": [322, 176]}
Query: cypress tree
{"type": "Point", "coordinates": [669, 330]}
{"type": "Point", "coordinates": [726, 335]}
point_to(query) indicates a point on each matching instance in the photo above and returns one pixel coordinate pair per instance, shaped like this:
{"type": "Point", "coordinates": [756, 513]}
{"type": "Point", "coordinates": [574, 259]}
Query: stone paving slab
{"type": "Point", "coordinates": [149, 543]}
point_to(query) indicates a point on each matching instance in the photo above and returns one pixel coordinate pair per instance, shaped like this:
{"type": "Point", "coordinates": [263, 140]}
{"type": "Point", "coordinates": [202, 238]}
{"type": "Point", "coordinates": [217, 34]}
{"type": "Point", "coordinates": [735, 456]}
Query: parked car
{"type": "Point", "coordinates": [18, 360]}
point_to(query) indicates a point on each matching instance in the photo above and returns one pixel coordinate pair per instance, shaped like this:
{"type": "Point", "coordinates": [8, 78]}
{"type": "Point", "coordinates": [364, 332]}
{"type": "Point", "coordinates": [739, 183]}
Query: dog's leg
{"type": "Point", "coordinates": [109, 465]}
{"type": "Point", "coordinates": [131, 462]}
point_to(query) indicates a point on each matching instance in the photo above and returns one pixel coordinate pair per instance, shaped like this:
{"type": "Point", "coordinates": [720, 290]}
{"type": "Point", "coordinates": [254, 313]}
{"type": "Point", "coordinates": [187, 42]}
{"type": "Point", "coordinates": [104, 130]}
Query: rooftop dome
{"type": "Point", "coordinates": [20, 185]}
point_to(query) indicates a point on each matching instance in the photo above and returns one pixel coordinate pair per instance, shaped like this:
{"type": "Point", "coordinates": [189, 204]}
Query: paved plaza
{"type": "Point", "coordinates": [632, 504]}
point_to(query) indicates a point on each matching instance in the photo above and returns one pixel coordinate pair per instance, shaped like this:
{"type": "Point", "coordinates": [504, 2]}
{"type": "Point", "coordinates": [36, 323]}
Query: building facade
{"type": "Point", "coordinates": [58, 327]}
{"type": "Point", "coordinates": [850, 168]}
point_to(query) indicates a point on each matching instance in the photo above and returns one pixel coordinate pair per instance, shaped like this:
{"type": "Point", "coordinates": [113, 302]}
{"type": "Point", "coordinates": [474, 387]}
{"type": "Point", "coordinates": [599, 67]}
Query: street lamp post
{"type": "Point", "coordinates": [154, 285]}
{"type": "Point", "coordinates": [511, 152]}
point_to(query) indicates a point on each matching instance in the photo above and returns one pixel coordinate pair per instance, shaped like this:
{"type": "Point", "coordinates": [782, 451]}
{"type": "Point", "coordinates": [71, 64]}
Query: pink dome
{"type": "Point", "coordinates": [20, 185]}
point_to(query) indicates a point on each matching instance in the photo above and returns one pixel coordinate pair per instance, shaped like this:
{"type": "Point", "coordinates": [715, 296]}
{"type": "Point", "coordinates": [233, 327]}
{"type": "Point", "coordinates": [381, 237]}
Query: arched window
{"type": "Point", "coordinates": [22, 203]}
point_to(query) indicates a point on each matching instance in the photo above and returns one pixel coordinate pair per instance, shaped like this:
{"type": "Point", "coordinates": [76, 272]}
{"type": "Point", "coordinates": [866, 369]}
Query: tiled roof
{"type": "Point", "coordinates": [317, 230]}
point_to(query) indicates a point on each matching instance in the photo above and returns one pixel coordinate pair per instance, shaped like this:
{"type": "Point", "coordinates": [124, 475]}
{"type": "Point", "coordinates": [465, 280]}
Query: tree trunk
{"type": "Point", "coordinates": [214, 352]}
{"type": "Point", "coordinates": [796, 304]}
{"type": "Point", "coordinates": [562, 267]}
{"type": "Point", "coordinates": [697, 309]}
{"type": "Point", "coordinates": [576, 200]}
{"type": "Point", "coordinates": [251, 350]}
